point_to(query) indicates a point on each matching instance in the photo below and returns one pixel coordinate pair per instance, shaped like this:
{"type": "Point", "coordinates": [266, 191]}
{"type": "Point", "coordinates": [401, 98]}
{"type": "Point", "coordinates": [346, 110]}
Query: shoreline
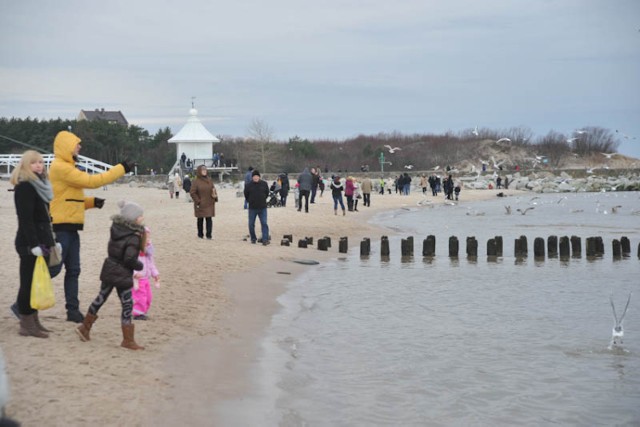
{"type": "Point", "coordinates": [216, 300]}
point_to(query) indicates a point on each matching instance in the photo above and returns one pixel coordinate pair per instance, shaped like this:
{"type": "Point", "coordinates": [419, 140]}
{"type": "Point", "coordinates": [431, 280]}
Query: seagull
{"type": "Point", "coordinates": [524, 212]}
{"type": "Point", "coordinates": [609, 155]}
{"type": "Point", "coordinates": [570, 140]}
{"type": "Point", "coordinates": [503, 140]}
{"type": "Point", "coordinates": [436, 168]}
{"type": "Point", "coordinates": [618, 332]}
{"type": "Point", "coordinates": [498, 164]}
{"type": "Point", "coordinates": [484, 162]}
{"type": "Point", "coordinates": [392, 149]}
{"type": "Point", "coordinates": [408, 166]}
{"type": "Point", "coordinates": [614, 209]}
{"type": "Point", "coordinates": [581, 132]}
{"type": "Point", "coordinates": [508, 209]}
{"type": "Point", "coordinates": [589, 170]}
{"type": "Point", "coordinates": [533, 198]}
{"type": "Point", "coordinates": [475, 131]}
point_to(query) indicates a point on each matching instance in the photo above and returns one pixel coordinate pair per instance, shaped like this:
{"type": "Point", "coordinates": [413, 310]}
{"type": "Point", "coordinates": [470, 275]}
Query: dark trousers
{"type": "Point", "coordinates": [262, 215]}
{"type": "Point", "coordinates": [27, 263]}
{"type": "Point", "coordinates": [305, 194]}
{"type": "Point", "coordinates": [209, 226]}
{"type": "Point", "coordinates": [70, 241]}
{"type": "Point", "coordinates": [366, 199]}
{"type": "Point", "coordinates": [125, 299]}
{"type": "Point", "coordinates": [350, 202]}
{"type": "Point", "coordinates": [313, 194]}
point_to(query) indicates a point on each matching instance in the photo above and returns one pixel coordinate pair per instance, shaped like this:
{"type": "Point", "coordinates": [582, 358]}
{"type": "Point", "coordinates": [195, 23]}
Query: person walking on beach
{"type": "Point", "coordinates": [256, 194]}
{"type": "Point", "coordinates": [382, 185]}
{"type": "Point", "coordinates": [141, 293]}
{"type": "Point", "coordinates": [366, 186]}
{"type": "Point", "coordinates": [349, 189]}
{"type": "Point", "coordinates": [306, 182]}
{"type": "Point", "coordinates": [34, 238]}
{"type": "Point", "coordinates": [171, 186]}
{"type": "Point", "coordinates": [423, 184]}
{"type": "Point", "coordinates": [186, 186]}
{"type": "Point", "coordinates": [204, 201]}
{"type": "Point", "coordinates": [126, 241]}
{"type": "Point", "coordinates": [284, 188]}
{"type": "Point", "coordinates": [177, 184]}
{"type": "Point", "coordinates": [336, 192]}
{"type": "Point", "coordinates": [67, 210]}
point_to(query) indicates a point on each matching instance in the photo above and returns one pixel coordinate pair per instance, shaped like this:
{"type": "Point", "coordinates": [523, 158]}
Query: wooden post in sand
{"type": "Point", "coordinates": [328, 240]}
{"type": "Point", "coordinates": [454, 246]}
{"type": "Point", "coordinates": [564, 247]}
{"type": "Point", "coordinates": [429, 246]}
{"type": "Point", "coordinates": [285, 242]}
{"type": "Point", "coordinates": [384, 246]}
{"type": "Point", "coordinates": [322, 244]}
{"type": "Point", "coordinates": [538, 247]}
{"type": "Point", "coordinates": [365, 247]}
{"type": "Point", "coordinates": [309, 241]}
{"type": "Point", "coordinates": [552, 246]}
{"type": "Point", "coordinates": [302, 243]}
{"type": "Point", "coordinates": [289, 237]}
{"type": "Point", "coordinates": [343, 245]}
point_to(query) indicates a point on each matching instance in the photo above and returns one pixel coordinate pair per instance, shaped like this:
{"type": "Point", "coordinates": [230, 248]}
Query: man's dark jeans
{"type": "Point", "coordinates": [262, 214]}
{"type": "Point", "coordinates": [70, 241]}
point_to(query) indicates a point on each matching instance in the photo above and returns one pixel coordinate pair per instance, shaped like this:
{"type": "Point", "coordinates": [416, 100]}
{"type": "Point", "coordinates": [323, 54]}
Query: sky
{"type": "Point", "coordinates": [328, 69]}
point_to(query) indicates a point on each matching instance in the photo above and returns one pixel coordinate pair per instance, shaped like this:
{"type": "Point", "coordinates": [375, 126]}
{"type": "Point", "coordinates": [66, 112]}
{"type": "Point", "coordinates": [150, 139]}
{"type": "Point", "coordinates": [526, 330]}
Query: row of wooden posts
{"type": "Point", "coordinates": [564, 246]}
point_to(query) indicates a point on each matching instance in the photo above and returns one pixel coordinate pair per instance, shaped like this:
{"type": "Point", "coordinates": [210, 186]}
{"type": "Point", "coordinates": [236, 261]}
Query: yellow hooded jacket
{"type": "Point", "coordinates": [69, 203]}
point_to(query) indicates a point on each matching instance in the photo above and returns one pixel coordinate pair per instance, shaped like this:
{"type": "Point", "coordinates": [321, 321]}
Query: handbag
{"type": "Point", "coordinates": [214, 194]}
{"type": "Point", "coordinates": [42, 296]}
{"type": "Point", "coordinates": [55, 253]}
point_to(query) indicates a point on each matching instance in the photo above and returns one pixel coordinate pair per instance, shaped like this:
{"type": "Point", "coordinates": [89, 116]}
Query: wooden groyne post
{"type": "Point", "coordinates": [564, 247]}
{"type": "Point", "coordinates": [538, 247]}
{"type": "Point", "coordinates": [472, 247]}
{"type": "Point", "coordinates": [616, 249]}
{"type": "Point", "coordinates": [552, 246]}
{"type": "Point", "coordinates": [343, 245]}
{"type": "Point", "coordinates": [365, 247]}
{"type": "Point", "coordinates": [406, 246]}
{"type": "Point", "coordinates": [454, 246]}
{"type": "Point", "coordinates": [626, 246]}
{"type": "Point", "coordinates": [576, 246]}
{"type": "Point", "coordinates": [384, 246]}
{"type": "Point", "coordinates": [323, 244]}
{"type": "Point", "coordinates": [302, 243]}
{"type": "Point", "coordinates": [429, 246]}
{"type": "Point", "coordinates": [498, 240]}
{"type": "Point", "coordinates": [520, 247]}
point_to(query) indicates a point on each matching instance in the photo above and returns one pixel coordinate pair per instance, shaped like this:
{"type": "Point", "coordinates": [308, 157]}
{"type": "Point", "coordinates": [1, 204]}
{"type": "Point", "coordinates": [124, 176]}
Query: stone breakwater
{"type": "Point", "coordinates": [548, 182]}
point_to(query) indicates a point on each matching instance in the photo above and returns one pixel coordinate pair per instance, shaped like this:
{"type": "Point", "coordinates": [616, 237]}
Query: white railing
{"type": "Point", "coordinates": [8, 162]}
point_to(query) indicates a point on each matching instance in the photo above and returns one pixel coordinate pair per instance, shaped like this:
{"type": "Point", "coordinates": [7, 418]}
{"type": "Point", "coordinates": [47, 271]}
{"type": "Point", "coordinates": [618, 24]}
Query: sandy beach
{"type": "Point", "coordinates": [216, 299]}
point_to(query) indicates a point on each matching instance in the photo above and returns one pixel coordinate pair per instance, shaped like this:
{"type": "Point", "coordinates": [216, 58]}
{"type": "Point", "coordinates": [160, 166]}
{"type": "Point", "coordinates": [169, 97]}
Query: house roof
{"type": "Point", "coordinates": [102, 114]}
{"type": "Point", "coordinates": [193, 131]}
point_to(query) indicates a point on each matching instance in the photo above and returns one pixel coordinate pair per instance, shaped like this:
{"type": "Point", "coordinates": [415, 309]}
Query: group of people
{"type": "Point", "coordinates": [51, 212]}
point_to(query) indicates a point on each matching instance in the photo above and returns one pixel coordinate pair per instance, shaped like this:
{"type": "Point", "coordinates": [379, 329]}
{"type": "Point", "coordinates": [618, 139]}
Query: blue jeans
{"type": "Point", "coordinates": [337, 200]}
{"type": "Point", "coordinates": [262, 214]}
{"type": "Point", "coordinates": [70, 241]}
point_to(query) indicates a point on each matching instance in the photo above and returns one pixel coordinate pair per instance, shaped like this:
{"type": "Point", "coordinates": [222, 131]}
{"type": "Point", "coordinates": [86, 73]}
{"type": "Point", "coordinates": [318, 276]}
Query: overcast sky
{"type": "Point", "coordinates": [328, 69]}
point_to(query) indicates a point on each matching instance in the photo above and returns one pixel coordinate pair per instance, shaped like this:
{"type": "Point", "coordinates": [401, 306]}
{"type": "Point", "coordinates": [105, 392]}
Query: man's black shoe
{"type": "Point", "coordinates": [74, 316]}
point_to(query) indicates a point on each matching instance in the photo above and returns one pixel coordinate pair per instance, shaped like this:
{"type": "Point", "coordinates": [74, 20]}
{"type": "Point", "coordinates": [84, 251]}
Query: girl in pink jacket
{"type": "Point", "coordinates": [141, 293]}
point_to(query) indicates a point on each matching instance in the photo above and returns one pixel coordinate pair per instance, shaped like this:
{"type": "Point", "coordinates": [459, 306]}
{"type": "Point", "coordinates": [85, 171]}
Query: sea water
{"type": "Point", "coordinates": [443, 341]}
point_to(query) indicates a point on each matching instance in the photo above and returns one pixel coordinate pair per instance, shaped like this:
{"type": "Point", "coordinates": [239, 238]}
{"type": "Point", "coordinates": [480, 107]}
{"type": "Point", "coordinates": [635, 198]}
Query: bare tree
{"type": "Point", "coordinates": [263, 134]}
{"type": "Point", "coordinates": [594, 139]}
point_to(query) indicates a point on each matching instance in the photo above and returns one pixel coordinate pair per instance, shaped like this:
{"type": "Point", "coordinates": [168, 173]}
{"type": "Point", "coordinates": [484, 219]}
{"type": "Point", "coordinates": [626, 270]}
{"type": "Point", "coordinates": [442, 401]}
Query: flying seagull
{"type": "Point", "coordinates": [475, 131]}
{"type": "Point", "coordinates": [503, 140]}
{"type": "Point", "coordinates": [618, 331]}
{"type": "Point", "coordinates": [609, 155]}
{"type": "Point", "coordinates": [392, 149]}
{"type": "Point", "coordinates": [524, 212]}
{"type": "Point", "coordinates": [408, 166]}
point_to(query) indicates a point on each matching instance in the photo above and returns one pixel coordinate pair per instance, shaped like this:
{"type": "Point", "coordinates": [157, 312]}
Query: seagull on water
{"type": "Point", "coordinates": [524, 212]}
{"type": "Point", "coordinates": [392, 149]}
{"type": "Point", "coordinates": [507, 209]}
{"type": "Point", "coordinates": [618, 332]}
{"type": "Point", "coordinates": [614, 209]}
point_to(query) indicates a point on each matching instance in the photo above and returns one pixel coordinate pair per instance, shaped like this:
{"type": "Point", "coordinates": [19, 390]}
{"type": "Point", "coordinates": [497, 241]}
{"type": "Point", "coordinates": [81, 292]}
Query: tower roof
{"type": "Point", "coordinates": [193, 131]}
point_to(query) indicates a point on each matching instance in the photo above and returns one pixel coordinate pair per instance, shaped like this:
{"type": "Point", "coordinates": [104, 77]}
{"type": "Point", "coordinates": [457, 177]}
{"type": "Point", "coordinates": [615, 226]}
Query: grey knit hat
{"type": "Point", "coordinates": [130, 211]}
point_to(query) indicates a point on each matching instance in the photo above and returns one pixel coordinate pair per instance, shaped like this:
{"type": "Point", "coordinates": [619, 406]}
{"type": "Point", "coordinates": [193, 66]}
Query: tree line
{"type": "Point", "coordinates": [113, 143]}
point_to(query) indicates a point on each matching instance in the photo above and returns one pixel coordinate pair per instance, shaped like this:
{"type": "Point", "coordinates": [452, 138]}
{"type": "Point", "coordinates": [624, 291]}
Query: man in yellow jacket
{"type": "Point", "coordinates": [67, 210]}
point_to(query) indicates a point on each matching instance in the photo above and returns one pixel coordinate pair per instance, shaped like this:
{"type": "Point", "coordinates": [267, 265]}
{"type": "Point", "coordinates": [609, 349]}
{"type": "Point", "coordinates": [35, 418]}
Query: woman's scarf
{"type": "Point", "coordinates": [43, 188]}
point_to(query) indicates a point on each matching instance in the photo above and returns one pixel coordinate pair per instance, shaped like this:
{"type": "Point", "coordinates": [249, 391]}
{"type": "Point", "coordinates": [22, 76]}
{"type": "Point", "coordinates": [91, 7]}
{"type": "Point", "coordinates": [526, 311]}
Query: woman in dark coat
{"type": "Point", "coordinates": [32, 194]}
{"type": "Point", "coordinates": [204, 204]}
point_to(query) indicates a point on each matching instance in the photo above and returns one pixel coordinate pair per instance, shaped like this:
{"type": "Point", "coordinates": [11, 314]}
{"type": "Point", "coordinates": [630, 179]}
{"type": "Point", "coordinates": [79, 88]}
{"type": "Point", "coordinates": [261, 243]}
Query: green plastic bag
{"type": "Point", "coordinates": [42, 296]}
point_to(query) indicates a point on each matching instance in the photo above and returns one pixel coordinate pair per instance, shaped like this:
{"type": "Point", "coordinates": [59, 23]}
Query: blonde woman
{"type": "Point", "coordinates": [32, 194]}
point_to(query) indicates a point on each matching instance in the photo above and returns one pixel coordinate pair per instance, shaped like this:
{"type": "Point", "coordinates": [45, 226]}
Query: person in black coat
{"type": "Point", "coordinates": [284, 188]}
{"type": "Point", "coordinates": [34, 238]}
{"type": "Point", "coordinates": [126, 241]}
{"type": "Point", "coordinates": [256, 194]}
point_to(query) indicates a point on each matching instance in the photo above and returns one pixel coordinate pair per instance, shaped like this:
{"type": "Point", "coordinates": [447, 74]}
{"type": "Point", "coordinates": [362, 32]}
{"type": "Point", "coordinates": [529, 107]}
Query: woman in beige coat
{"type": "Point", "coordinates": [204, 203]}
